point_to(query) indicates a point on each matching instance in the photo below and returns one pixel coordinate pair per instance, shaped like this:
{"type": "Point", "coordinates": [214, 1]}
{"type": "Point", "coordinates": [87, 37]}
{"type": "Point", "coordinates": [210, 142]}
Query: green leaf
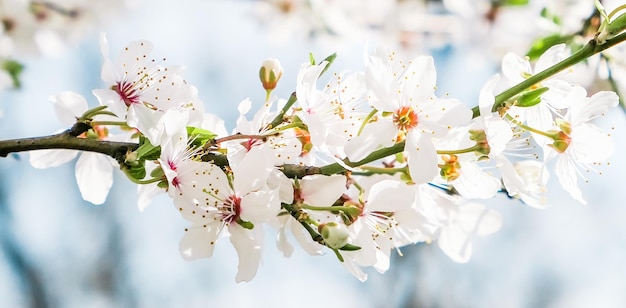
{"type": "Point", "coordinates": [350, 247]}
{"type": "Point", "coordinates": [137, 172]}
{"type": "Point", "coordinates": [531, 98]}
{"type": "Point", "coordinates": [515, 2]}
{"type": "Point", "coordinates": [339, 256]}
{"type": "Point", "coordinates": [199, 136]}
{"type": "Point", "coordinates": [540, 45]}
{"type": "Point", "coordinates": [14, 69]}
{"type": "Point", "coordinates": [147, 151]}
{"type": "Point", "coordinates": [311, 58]}
{"type": "Point", "coordinates": [330, 59]}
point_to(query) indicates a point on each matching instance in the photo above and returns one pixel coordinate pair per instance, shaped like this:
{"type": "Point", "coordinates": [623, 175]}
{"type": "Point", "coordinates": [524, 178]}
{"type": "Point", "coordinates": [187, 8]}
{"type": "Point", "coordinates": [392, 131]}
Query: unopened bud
{"type": "Point", "coordinates": [270, 73]}
{"type": "Point", "coordinates": [335, 235]}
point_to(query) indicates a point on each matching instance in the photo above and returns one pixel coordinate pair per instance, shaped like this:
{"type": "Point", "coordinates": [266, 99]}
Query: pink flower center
{"type": "Point", "coordinates": [175, 182]}
{"type": "Point", "coordinates": [127, 92]}
{"type": "Point", "coordinates": [231, 209]}
{"type": "Point", "coordinates": [250, 143]}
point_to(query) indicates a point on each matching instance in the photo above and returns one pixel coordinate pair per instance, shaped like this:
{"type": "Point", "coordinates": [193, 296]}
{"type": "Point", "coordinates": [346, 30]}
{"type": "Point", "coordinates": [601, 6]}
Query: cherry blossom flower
{"type": "Point", "coordinates": [94, 171]}
{"type": "Point", "coordinates": [207, 197]}
{"type": "Point", "coordinates": [406, 91]}
{"type": "Point", "coordinates": [283, 144]}
{"type": "Point", "coordinates": [516, 69]}
{"type": "Point", "coordinates": [388, 219]}
{"type": "Point", "coordinates": [578, 144]}
{"type": "Point", "coordinates": [141, 89]}
{"type": "Point", "coordinates": [334, 114]}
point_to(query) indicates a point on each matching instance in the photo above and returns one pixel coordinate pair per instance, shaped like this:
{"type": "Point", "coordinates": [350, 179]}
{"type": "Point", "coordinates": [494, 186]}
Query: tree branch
{"type": "Point", "coordinates": [68, 140]}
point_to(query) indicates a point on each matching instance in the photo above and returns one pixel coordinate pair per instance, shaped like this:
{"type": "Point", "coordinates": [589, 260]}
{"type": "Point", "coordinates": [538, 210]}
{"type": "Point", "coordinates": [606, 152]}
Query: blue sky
{"type": "Point", "coordinates": [569, 255]}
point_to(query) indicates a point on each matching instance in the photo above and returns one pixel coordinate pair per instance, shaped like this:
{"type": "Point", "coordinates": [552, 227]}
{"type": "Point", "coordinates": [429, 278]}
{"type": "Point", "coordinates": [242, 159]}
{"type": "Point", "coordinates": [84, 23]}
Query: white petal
{"type": "Point", "coordinates": [252, 171]}
{"type": "Point", "coordinates": [94, 174]}
{"type": "Point", "coordinates": [68, 106]}
{"type": "Point", "coordinates": [589, 144]}
{"type": "Point", "coordinates": [41, 159]}
{"type": "Point", "coordinates": [445, 113]}
{"type": "Point", "coordinates": [594, 106]}
{"type": "Point", "coordinates": [390, 196]}
{"type": "Point", "coordinates": [565, 171]}
{"type": "Point", "coordinates": [455, 243]}
{"type": "Point", "coordinates": [486, 97]}
{"type": "Point", "coordinates": [422, 157]}
{"type": "Point", "coordinates": [499, 134]}
{"type": "Point", "coordinates": [322, 190]}
{"type": "Point", "coordinates": [421, 78]}
{"type": "Point", "coordinates": [279, 181]}
{"type": "Point", "coordinates": [513, 66]}
{"type": "Point", "coordinates": [147, 121]}
{"type": "Point", "coordinates": [381, 81]}
{"type": "Point", "coordinates": [550, 57]}
{"type": "Point", "coordinates": [111, 99]}
{"type": "Point", "coordinates": [248, 247]}
{"type": "Point", "coordinates": [145, 193]}
{"type": "Point", "coordinates": [304, 239]}
{"type": "Point", "coordinates": [474, 183]}
{"type": "Point", "coordinates": [373, 136]}
{"type": "Point", "coordinates": [244, 106]}
{"type": "Point", "coordinates": [199, 241]}
{"type": "Point", "coordinates": [476, 219]}
{"type": "Point", "coordinates": [281, 239]}
{"type": "Point", "coordinates": [354, 268]}
{"type": "Point", "coordinates": [260, 206]}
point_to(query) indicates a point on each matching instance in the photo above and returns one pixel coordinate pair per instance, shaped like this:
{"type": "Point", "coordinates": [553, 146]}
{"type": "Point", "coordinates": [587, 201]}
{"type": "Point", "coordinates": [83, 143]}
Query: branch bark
{"type": "Point", "coordinates": [67, 140]}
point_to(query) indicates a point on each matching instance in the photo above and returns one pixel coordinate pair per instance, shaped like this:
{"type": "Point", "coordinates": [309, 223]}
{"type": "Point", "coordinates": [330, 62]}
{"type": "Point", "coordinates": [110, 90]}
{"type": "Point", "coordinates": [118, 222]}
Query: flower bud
{"type": "Point", "coordinates": [335, 235]}
{"type": "Point", "coordinates": [270, 73]}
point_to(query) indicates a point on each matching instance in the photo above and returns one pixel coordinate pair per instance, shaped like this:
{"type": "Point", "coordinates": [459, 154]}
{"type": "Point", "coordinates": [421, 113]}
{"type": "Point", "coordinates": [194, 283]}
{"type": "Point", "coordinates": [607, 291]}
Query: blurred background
{"type": "Point", "coordinates": [59, 251]}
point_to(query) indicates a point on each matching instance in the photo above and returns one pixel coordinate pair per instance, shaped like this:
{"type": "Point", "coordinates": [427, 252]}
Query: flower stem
{"type": "Point", "coordinates": [461, 151]}
{"type": "Point", "coordinates": [591, 48]}
{"type": "Point", "coordinates": [111, 123]}
{"type": "Point", "coordinates": [382, 170]}
{"type": "Point", "coordinates": [528, 128]}
{"type": "Point", "coordinates": [241, 136]}
{"type": "Point", "coordinates": [280, 116]}
{"type": "Point", "coordinates": [376, 155]}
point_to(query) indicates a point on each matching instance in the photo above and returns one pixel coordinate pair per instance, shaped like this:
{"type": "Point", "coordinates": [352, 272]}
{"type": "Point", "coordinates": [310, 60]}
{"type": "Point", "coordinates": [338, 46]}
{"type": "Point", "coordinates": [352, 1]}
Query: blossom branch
{"type": "Point", "coordinates": [591, 48]}
{"type": "Point", "coordinates": [68, 140]}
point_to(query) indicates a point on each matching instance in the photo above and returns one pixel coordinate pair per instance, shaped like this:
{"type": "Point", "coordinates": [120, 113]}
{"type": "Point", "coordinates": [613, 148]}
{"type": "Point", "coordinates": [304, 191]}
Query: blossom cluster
{"type": "Point", "coordinates": [360, 165]}
{"type": "Point", "coordinates": [44, 27]}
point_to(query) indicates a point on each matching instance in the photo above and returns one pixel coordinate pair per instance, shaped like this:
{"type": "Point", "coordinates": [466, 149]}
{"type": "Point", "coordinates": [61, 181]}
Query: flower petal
{"type": "Point", "coordinates": [390, 196]}
{"type": "Point", "coordinates": [322, 190]}
{"type": "Point", "coordinates": [41, 159]}
{"type": "Point", "coordinates": [199, 241]}
{"type": "Point", "coordinates": [260, 206]}
{"type": "Point", "coordinates": [68, 106]}
{"type": "Point", "coordinates": [94, 174]}
{"type": "Point", "coordinates": [248, 247]}
{"type": "Point", "coordinates": [373, 136]}
{"type": "Point", "coordinates": [422, 157]}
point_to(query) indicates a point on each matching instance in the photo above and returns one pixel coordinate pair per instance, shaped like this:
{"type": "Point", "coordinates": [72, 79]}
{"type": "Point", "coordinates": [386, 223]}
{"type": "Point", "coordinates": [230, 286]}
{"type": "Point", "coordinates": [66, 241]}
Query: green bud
{"type": "Point", "coordinates": [270, 73]}
{"type": "Point", "coordinates": [335, 235]}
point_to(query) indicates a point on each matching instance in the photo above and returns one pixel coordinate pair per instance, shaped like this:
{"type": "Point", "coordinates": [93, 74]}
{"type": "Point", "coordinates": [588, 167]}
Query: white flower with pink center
{"type": "Point", "coordinates": [141, 88]}
{"type": "Point", "coordinates": [214, 201]}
